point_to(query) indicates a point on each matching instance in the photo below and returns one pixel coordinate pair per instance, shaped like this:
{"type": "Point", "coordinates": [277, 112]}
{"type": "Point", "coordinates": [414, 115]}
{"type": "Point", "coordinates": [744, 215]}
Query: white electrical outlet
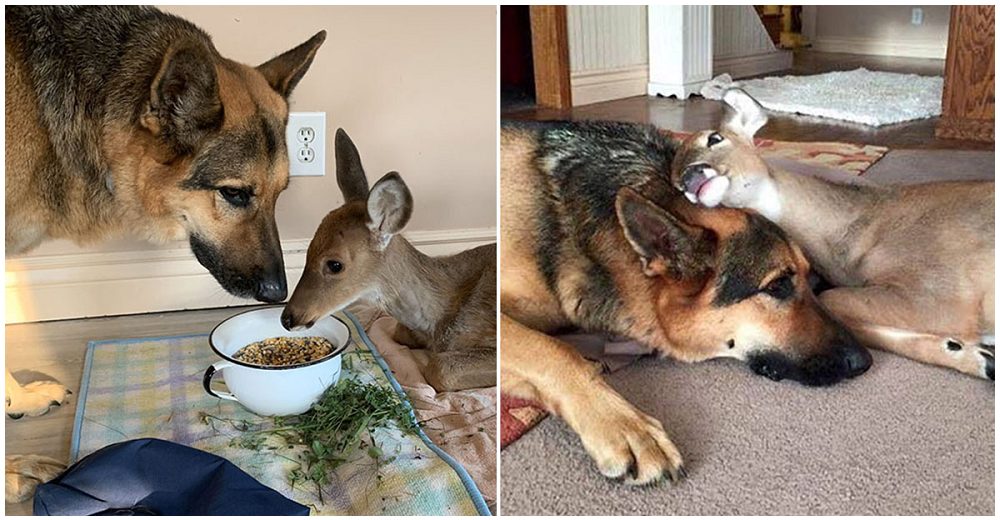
{"type": "Point", "coordinates": [918, 16]}
{"type": "Point", "coordinates": [305, 137]}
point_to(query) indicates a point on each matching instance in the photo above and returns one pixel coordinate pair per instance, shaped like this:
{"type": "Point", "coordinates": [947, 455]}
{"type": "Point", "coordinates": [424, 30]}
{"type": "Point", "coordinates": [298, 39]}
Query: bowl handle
{"type": "Point", "coordinates": [207, 381]}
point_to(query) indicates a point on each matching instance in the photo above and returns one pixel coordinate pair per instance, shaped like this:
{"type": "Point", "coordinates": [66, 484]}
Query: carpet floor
{"type": "Point", "coordinates": [905, 438]}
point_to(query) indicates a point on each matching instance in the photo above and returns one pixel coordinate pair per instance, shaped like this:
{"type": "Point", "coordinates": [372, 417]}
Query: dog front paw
{"type": "Point", "coordinates": [34, 399]}
{"type": "Point", "coordinates": [25, 472]}
{"type": "Point", "coordinates": [629, 445]}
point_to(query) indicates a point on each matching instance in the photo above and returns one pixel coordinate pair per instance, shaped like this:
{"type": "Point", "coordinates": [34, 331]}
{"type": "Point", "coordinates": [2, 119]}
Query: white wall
{"type": "Point", "coordinates": [607, 52]}
{"type": "Point", "coordinates": [878, 29]}
{"type": "Point", "coordinates": [414, 86]}
{"type": "Point", "coordinates": [740, 44]}
{"type": "Point", "coordinates": [738, 31]}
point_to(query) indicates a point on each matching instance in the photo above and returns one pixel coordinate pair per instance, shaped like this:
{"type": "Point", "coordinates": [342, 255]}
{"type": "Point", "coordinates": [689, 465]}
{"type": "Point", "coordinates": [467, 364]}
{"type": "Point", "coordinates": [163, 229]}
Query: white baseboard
{"type": "Point", "coordinates": [82, 285]}
{"type": "Point", "coordinates": [914, 49]}
{"type": "Point", "coordinates": [753, 65]}
{"type": "Point", "coordinates": [594, 86]}
{"type": "Point", "coordinates": [681, 90]}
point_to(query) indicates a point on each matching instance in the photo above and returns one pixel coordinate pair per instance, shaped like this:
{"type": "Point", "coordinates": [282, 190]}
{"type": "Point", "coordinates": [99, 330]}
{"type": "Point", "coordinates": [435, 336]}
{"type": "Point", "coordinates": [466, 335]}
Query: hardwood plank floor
{"type": "Point", "coordinates": [56, 350]}
{"type": "Point", "coordinates": [697, 113]}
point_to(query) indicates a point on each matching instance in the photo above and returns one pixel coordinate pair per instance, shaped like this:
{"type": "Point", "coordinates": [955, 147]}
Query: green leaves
{"type": "Point", "coordinates": [342, 422]}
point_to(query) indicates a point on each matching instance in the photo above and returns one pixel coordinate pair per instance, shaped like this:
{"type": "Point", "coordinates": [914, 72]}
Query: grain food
{"type": "Point", "coordinates": [285, 351]}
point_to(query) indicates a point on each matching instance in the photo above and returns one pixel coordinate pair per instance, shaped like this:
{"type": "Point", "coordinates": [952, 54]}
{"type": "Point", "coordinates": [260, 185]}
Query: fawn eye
{"type": "Point", "coordinates": [781, 288]}
{"type": "Point", "coordinates": [714, 138]}
{"type": "Point", "coordinates": [236, 196]}
{"type": "Point", "coordinates": [334, 266]}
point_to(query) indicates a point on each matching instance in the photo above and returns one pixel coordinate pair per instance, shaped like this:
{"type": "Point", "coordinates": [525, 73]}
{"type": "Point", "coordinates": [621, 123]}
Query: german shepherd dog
{"type": "Point", "coordinates": [128, 120]}
{"type": "Point", "coordinates": [594, 237]}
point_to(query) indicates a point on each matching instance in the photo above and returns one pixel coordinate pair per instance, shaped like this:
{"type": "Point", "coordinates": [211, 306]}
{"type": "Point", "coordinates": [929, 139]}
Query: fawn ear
{"type": "Point", "coordinates": [389, 208]}
{"type": "Point", "coordinates": [284, 72]}
{"type": "Point", "coordinates": [184, 104]}
{"type": "Point", "coordinates": [666, 245]}
{"type": "Point", "coordinates": [350, 173]}
{"type": "Point", "coordinates": [743, 114]}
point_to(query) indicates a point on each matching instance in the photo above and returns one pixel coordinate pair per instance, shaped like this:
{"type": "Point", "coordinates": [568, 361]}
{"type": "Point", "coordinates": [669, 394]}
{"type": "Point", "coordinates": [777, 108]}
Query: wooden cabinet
{"type": "Point", "coordinates": [967, 105]}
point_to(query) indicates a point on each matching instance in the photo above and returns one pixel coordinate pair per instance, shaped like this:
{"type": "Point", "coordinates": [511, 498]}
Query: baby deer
{"type": "Point", "coordinates": [446, 304]}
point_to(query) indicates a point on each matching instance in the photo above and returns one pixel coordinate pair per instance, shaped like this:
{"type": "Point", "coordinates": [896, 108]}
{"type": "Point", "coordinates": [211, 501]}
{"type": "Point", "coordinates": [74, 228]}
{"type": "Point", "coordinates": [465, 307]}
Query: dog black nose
{"type": "Point", "coordinates": [272, 291]}
{"type": "Point", "coordinates": [857, 359]}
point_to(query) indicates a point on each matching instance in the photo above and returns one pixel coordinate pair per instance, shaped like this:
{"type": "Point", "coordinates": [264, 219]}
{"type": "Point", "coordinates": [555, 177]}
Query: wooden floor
{"type": "Point", "coordinates": [697, 113]}
{"type": "Point", "coordinates": [56, 350]}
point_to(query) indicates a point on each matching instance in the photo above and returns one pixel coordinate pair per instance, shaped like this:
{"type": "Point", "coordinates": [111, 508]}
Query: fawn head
{"type": "Point", "coordinates": [346, 258]}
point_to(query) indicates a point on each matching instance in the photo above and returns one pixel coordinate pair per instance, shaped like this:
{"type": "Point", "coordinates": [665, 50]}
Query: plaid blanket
{"type": "Point", "coordinates": [152, 387]}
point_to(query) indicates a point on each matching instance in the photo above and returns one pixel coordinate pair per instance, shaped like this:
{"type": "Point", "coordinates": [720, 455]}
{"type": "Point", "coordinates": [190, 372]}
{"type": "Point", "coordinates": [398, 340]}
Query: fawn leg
{"type": "Point", "coordinates": [887, 319]}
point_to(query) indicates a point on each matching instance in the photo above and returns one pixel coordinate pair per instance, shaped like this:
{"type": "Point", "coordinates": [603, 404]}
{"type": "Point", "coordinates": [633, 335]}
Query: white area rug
{"type": "Point", "coordinates": [861, 95]}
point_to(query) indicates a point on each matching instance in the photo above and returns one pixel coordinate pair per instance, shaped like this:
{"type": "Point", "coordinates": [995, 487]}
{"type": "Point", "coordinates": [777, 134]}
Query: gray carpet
{"type": "Point", "coordinates": [912, 166]}
{"type": "Point", "coordinates": [904, 438]}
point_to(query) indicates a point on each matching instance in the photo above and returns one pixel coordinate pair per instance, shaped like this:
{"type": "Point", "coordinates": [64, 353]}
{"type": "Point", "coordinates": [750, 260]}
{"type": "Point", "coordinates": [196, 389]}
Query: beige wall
{"type": "Point", "coordinates": [880, 29]}
{"type": "Point", "coordinates": [414, 86]}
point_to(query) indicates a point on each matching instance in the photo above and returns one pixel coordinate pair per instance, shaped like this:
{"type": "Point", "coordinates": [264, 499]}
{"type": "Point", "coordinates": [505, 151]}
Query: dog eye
{"type": "Point", "coordinates": [235, 196]}
{"type": "Point", "coordinates": [781, 288]}
{"type": "Point", "coordinates": [334, 266]}
{"type": "Point", "coordinates": [714, 138]}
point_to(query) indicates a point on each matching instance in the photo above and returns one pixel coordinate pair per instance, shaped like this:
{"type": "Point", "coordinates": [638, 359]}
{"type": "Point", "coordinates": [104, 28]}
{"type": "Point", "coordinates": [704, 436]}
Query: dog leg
{"type": "Point", "coordinates": [32, 399]}
{"type": "Point", "coordinates": [884, 318]}
{"type": "Point", "coordinates": [26, 472]}
{"type": "Point", "coordinates": [461, 369]}
{"type": "Point", "coordinates": [624, 442]}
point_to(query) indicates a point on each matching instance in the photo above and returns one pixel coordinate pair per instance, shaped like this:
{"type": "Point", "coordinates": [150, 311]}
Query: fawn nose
{"type": "Point", "coordinates": [291, 322]}
{"type": "Point", "coordinates": [693, 176]}
{"type": "Point", "coordinates": [287, 321]}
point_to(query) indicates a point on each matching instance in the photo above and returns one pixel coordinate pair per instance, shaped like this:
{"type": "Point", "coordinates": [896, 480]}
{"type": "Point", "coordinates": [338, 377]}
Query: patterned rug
{"type": "Point", "coordinates": [152, 388]}
{"type": "Point", "coordinates": [517, 416]}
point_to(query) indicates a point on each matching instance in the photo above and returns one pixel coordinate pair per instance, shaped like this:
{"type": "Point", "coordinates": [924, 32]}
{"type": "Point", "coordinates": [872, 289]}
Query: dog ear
{"type": "Point", "coordinates": [667, 246]}
{"type": "Point", "coordinates": [350, 173]}
{"type": "Point", "coordinates": [743, 114]}
{"type": "Point", "coordinates": [284, 72]}
{"type": "Point", "coordinates": [184, 103]}
{"type": "Point", "coordinates": [389, 208]}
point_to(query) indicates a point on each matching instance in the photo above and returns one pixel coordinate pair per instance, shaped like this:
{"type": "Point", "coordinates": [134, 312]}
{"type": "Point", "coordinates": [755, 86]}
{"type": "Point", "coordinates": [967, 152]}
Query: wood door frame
{"type": "Point", "coordinates": [550, 54]}
{"type": "Point", "coordinates": [958, 119]}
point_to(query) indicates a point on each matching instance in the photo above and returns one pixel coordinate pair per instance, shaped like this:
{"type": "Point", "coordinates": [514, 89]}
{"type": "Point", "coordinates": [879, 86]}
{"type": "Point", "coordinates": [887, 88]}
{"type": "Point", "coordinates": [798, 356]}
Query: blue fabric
{"type": "Point", "coordinates": [157, 477]}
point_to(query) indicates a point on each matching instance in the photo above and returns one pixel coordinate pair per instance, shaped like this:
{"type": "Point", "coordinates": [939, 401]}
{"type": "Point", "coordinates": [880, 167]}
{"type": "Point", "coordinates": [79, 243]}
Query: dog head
{"type": "Point", "coordinates": [722, 166]}
{"type": "Point", "coordinates": [350, 251]}
{"type": "Point", "coordinates": [210, 160]}
{"type": "Point", "coordinates": [730, 284]}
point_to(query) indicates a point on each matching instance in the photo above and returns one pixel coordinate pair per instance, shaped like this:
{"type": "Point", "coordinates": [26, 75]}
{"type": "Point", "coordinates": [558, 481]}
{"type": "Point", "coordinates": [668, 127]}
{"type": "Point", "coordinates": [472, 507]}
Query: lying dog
{"type": "Point", "coordinates": [914, 265]}
{"type": "Point", "coordinates": [594, 237]}
{"type": "Point", "coordinates": [446, 304]}
{"type": "Point", "coordinates": [126, 120]}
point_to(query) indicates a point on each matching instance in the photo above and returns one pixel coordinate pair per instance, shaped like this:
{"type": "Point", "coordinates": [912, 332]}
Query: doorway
{"type": "Point", "coordinates": [517, 76]}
